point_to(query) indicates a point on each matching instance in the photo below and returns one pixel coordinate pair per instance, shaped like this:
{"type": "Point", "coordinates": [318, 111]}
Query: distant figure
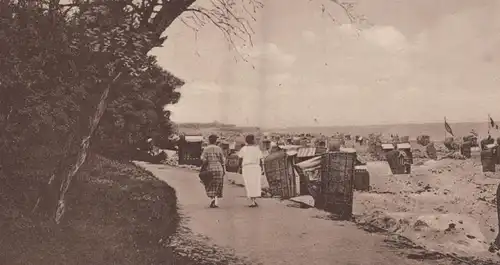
{"type": "Point", "coordinates": [395, 139]}
{"type": "Point", "coordinates": [406, 161]}
{"type": "Point", "coordinates": [213, 159]}
{"type": "Point", "coordinates": [449, 143]}
{"type": "Point", "coordinates": [359, 139]}
{"type": "Point", "coordinates": [472, 139]}
{"type": "Point", "coordinates": [486, 142]}
{"type": "Point", "coordinates": [150, 144]}
{"type": "Point", "coordinates": [251, 164]}
{"type": "Point", "coordinates": [431, 151]}
{"type": "Point", "coordinates": [334, 145]}
{"type": "Point", "coordinates": [274, 148]}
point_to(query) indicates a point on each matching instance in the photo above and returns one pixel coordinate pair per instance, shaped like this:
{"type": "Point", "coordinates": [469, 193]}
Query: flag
{"type": "Point", "coordinates": [448, 128]}
{"type": "Point", "coordinates": [492, 123]}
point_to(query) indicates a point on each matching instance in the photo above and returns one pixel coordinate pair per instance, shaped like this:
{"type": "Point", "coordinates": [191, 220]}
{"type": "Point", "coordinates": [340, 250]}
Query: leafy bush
{"type": "Point", "coordinates": [56, 69]}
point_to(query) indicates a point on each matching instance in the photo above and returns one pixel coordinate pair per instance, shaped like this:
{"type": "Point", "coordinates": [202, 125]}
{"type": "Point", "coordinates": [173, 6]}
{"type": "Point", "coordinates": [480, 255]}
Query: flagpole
{"type": "Point", "coordinates": [444, 128]}
{"type": "Point", "coordinates": [489, 123]}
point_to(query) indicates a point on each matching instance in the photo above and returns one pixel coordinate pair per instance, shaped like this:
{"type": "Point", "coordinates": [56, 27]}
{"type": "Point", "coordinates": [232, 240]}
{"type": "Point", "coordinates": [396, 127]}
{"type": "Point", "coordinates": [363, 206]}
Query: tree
{"type": "Point", "coordinates": [132, 117]}
{"type": "Point", "coordinates": [124, 32]}
{"type": "Point", "coordinates": [103, 43]}
{"type": "Point", "coordinates": [146, 21]}
{"type": "Point", "coordinates": [45, 103]}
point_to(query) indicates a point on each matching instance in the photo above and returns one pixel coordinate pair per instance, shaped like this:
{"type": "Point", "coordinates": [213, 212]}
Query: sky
{"type": "Point", "coordinates": [415, 61]}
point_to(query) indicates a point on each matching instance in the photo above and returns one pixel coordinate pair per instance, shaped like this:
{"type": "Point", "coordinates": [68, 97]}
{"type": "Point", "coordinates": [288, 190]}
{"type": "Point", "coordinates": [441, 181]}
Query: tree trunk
{"type": "Point", "coordinates": [49, 191]}
{"type": "Point", "coordinates": [82, 154]}
{"type": "Point", "coordinates": [164, 18]}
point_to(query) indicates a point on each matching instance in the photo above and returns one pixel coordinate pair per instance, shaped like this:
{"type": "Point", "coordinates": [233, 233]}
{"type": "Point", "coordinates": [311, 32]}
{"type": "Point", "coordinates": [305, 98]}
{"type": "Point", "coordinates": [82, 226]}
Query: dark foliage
{"type": "Point", "coordinates": [54, 70]}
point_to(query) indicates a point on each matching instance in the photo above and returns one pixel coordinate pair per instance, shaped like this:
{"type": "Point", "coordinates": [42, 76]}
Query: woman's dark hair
{"type": "Point", "coordinates": [250, 139]}
{"type": "Point", "coordinates": [212, 139]}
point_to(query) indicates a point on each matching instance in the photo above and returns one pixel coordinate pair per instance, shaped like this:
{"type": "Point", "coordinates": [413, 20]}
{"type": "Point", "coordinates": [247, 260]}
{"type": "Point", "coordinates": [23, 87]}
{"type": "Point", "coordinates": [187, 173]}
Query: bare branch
{"type": "Point", "coordinates": [231, 17]}
{"type": "Point", "coordinates": [168, 13]}
{"type": "Point", "coordinates": [349, 10]}
{"type": "Point", "coordinates": [195, 29]}
{"type": "Point", "coordinates": [224, 15]}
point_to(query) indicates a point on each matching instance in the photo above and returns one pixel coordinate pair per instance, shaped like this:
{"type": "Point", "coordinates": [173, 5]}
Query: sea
{"type": "Point", "coordinates": [435, 130]}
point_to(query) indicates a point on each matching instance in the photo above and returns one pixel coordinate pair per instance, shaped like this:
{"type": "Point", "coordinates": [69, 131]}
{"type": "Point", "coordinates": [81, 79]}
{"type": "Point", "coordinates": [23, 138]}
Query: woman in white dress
{"type": "Point", "coordinates": [251, 164]}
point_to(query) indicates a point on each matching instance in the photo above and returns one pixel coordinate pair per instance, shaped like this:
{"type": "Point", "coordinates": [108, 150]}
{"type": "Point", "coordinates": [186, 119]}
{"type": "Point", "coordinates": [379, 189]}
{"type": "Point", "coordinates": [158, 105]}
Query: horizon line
{"type": "Point", "coordinates": [322, 126]}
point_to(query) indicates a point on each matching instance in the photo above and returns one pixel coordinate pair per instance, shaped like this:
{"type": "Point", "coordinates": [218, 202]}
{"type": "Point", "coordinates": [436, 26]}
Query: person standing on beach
{"type": "Point", "coordinates": [251, 164]}
{"type": "Point", "coordinates": [213, 161]}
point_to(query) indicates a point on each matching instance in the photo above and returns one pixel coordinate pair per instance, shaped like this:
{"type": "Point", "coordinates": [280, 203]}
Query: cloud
{"type": "Point", "coordinates": [198, 102]}
{"type": "Point", "coordinates": [278, 79]}
{"type": "Point", "coordinates": [207, 101]}
{"type": "Point", "coordinates": [270, 54]}
{"type": "Point", "coordinates": [460, 51]}
{"type": "Point", "coordinates": [309, 36]}
{"type": "Point", "coordinates": [201, 87]}
{"type": "Point", "coordinates": [387, 37]}
{"type": "Point", "coordinates": [305, 66]}
{"type": "Point", "coordinates": [349, 29]}
{"type": "Point", "coordinates": [338, 71]}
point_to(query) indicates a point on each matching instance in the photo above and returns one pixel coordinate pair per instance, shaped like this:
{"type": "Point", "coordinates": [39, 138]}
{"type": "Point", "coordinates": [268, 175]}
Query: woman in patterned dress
{"type": "Point", "coordinates": [213, 160]}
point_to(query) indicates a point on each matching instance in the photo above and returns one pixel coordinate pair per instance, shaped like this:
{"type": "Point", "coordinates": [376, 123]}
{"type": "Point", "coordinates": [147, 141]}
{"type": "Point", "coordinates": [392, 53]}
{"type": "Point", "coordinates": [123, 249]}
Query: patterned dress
{"type": "Point", "coordinates": [214, 156]}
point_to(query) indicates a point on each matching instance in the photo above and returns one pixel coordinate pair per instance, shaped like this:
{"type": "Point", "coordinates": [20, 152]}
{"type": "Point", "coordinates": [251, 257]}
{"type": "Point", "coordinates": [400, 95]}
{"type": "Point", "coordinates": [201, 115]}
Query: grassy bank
{"type": "Point", "coordinates": [118, 214]}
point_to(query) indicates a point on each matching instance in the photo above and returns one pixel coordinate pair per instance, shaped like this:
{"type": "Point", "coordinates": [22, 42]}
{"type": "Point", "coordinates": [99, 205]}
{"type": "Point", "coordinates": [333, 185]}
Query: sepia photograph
{"type": "Point", "coordinates": [249, 132]}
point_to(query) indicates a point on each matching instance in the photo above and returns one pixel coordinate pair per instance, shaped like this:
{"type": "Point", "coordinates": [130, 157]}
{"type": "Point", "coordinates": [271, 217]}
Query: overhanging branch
{"type": "Point", "coordinates": [349, 11]}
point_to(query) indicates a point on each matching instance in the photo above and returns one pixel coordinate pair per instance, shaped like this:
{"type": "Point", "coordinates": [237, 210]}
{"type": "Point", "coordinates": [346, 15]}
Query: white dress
{"type": "Point", "coordinates": [252, 157]}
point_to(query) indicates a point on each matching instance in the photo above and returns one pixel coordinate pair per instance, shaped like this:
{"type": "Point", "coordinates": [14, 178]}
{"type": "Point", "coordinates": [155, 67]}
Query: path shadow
{"type": "Point", "coordinates": [192, 249]}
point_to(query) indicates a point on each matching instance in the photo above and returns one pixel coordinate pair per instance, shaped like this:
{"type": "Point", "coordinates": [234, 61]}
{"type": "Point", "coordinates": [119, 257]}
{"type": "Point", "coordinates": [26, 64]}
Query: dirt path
{"type": "Point", "coordinates": [274, 233]}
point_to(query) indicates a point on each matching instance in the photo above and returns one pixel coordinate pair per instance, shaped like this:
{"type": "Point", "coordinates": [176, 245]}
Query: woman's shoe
{"type": "Point", "coordinates": [213, 205]}
{"type": "Point", "coordinates": [254, 205]}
